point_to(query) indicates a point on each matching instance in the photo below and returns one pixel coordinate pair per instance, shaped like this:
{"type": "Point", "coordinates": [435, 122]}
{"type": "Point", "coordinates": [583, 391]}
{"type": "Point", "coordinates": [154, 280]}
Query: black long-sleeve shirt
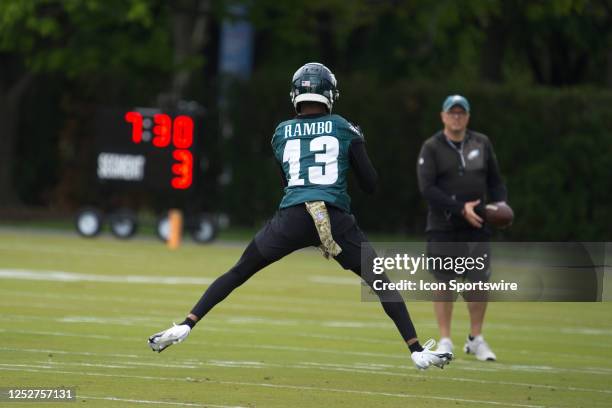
{"type": "Point", "coordinates": [362, 166]}
{"type": "Point", "coordinates": [451, 175]}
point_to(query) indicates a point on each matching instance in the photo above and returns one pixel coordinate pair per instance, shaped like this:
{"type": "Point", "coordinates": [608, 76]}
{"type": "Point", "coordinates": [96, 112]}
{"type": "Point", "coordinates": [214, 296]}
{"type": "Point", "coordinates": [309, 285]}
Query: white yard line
{"type": "Point", "coordinates": [151, 402]}
{"type": "Point", "coordinates": [103, 321]}
{"type": "Point", "coordinates": [42, 249]}
{"type": "Point", "coordinates": [60, 276]}
{"type": "Point", "coordinates": [122, 364]}
{"type": "Point", "coordinates": [61, 334]}
{"type": "Point", "coordinates": [283, 386]}
{"type": "Point", "coordinates": [69, 353]}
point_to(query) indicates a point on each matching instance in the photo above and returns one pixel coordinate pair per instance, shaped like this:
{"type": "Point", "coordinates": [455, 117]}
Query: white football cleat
{"type": "Point", "coordinates": [164, 339]}
{"type": "Point", "coordinates": [427, 357]}
{"type": "Point", "coordinates": [445, 345]}
{"type": "Point", "coordinates": [479, 348]}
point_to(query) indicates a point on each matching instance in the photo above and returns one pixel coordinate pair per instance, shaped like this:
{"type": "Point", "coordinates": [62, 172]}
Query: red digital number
{"type": "Point", "coordinates": [135, 119]}
{"type": "Point", "coordinates": [161, 130]}
{"type": "Point", "coordinates": [183, 169]}
{"type": "Point", "coordinates": [182, 132]}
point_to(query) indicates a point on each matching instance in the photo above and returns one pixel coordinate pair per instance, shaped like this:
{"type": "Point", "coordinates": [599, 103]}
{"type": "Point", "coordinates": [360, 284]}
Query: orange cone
{"type": "Point", "coordinates": [175, 217]}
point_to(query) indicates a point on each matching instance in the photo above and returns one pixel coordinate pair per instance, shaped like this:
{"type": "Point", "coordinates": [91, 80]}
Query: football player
{"type": "Point", "coordinates": [314, 150]}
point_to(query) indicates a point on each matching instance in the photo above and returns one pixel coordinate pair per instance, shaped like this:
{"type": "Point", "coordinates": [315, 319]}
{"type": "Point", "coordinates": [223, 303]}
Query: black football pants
{"type": "Point", "coordinates": [292, 229]}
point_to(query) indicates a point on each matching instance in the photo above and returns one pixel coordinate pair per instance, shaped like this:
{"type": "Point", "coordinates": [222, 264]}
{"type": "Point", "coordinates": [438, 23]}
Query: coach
{"type": "Point", "coordinates": [457, 173]}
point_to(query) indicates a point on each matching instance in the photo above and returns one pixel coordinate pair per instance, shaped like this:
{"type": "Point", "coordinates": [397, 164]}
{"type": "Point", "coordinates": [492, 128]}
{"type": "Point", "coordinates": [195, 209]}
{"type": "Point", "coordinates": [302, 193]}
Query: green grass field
{"type": "Point", "coordinates": [296, 335]}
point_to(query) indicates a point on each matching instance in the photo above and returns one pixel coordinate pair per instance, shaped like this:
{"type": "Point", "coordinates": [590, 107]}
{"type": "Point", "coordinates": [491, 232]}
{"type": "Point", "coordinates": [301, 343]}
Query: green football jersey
{"type": "Point", "coordinates": [314, 154]}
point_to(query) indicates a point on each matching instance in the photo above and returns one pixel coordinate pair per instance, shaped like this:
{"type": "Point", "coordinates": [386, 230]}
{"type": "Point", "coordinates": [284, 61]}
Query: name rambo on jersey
{"type": "Point", "coordinates": [307, 129]}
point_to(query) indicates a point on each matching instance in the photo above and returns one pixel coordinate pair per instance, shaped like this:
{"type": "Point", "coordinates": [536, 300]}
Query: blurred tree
{"type": "Point", "coordinates": [86, 41]}
{"type": "Point", "coordinates": [290, 34]}
{"type": "Point", "coordinates": [559, 43]}
{"type": "Point", "coordinates": [12, 88]}
{"type": "Point", "coordinates": [556, 43]}
{"type": "Point", "coordinates": [189, 23]}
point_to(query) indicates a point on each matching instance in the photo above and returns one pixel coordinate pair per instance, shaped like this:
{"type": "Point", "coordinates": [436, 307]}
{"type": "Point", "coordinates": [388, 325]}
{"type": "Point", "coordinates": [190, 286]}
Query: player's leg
{"type": "Point", "coordinates": [443, 300]}
{"type": "Point", "coordinates": [477, 301]}
{"type": "Point", "coordinates": [269, 245]}
{"type": "Point", "coordinates": [394, 306]}
{"type": "Point", "coordinates": [475, 343]}
{"type": "Point", "coordinates": [249, 263]}
{"type": "Point", "coordinates": [353, 242]}
{"type": "Point", "coordinates": [444, 316]}
{"type": "Point", "coordinates": [477, 312]}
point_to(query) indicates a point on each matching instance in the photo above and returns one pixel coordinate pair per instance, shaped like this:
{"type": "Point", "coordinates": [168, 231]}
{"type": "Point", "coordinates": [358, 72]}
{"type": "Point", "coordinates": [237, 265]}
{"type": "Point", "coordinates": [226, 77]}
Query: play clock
{"type": "Point", "coordinates": [146, 148]}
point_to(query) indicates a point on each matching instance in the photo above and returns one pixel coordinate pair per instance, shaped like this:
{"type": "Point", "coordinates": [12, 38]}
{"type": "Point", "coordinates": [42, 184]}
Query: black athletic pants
{"type": "Point", "coordinates": [292, 229]}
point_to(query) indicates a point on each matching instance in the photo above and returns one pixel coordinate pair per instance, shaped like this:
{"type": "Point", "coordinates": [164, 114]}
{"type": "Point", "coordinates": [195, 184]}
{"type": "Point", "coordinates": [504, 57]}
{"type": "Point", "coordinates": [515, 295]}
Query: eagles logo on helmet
{"type": "Point", "coordinates": [314, 82]}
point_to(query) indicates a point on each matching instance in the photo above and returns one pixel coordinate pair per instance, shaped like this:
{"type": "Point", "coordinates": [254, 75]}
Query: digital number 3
{"type": "Point", "coordinates": [183, 169]}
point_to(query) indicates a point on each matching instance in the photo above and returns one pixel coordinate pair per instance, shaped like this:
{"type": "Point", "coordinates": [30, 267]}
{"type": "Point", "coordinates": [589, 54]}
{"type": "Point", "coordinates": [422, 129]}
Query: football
{"type": "Point", "coordinates": [499, 214]}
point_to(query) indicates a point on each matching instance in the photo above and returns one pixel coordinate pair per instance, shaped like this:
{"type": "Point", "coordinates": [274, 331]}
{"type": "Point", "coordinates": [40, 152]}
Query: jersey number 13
{"type": "Point", "coordinates": [326, 153]}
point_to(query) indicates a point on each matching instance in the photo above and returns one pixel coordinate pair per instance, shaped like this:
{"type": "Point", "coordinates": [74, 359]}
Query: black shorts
{"type": "Point", "coordinates": [292, 228]}
{"type": "Point", "coordinates": [461, 244]}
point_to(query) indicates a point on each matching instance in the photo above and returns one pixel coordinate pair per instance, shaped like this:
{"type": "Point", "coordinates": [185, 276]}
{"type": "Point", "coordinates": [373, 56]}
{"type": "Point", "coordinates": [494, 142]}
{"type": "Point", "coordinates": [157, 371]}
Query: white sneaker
{"type": "Point", "coordinates": [479, 348]}
{"type": "Point", "coordinates": [424, 359]}
{"type": "Point", "coordinates": [175, 334]}
{"type": "Point", "coordinates": [445, 345]}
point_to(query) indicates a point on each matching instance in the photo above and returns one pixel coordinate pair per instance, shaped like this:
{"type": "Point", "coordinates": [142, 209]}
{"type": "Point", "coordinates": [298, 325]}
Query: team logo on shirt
{"type": "Point", "coordinates": [355, 128]}
{"type": "Point", "coordinates": [473, 154]}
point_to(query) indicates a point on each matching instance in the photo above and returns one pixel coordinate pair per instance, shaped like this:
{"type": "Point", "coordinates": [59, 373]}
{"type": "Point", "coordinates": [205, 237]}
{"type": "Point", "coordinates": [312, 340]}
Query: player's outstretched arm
{"type": "Point", "coordinates": [362, 166]}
